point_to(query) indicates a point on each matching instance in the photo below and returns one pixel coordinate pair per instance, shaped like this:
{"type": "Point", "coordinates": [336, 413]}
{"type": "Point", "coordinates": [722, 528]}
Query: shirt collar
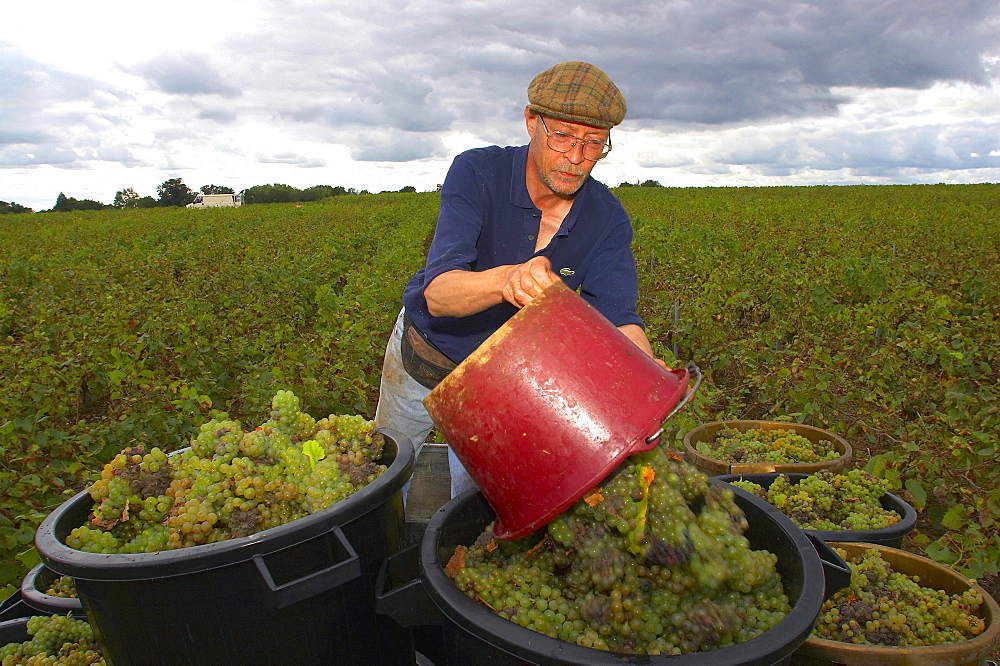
{"type": "Point", "coordinates": [518, 185]}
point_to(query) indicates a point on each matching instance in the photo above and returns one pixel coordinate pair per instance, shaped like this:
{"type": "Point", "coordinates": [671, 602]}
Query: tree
{"type": "Point", "coordinates": [65, 204]}
{"type": "Point", "coordinates": [147, 202]}
{"type": "Point", "coordinates": [408, 188]}
{"type": "Point", "coordinates": [217, 189]}
{"type": "Point", "coordinates": [174, 193]}
{"type": "Point", "coordinates": [650, 183]}
{"type": "Point", "coordinates": [62, 204]}
{"type": "Point", "coordinates": [276, 193]}
{"type": "Point", "coordinates": [127, 198]}
{"type": "Point", "coordinates": [13, 208]}
{"type": "Point", "coordinates": [317, 192]}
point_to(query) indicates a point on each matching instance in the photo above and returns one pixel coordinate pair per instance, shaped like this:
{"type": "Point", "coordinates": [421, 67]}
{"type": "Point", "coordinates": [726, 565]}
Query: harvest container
{"type": "Point", "coordinates": [820, 651]}
{"type": "Point", "coordinates": [473, 635]}
{"type": "Point", "coordinates": [549, 404]}
{"type": "Point", "coordinates": [33, 588]}
{"type": "Point", "coordinates": [14, 608]}
{"type": "Point", "coordinates": [14, 631]}
{"type": "Point", "coordinates": [714, 467]}
{"type": "Point", "coordinates": [887, 536]}
{"type": "Point", "coordinates": [299, 593]}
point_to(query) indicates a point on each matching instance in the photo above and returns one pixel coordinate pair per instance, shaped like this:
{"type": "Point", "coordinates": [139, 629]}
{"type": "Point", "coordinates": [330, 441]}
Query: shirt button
{"type": "Point", "coordinates": [531, 236]}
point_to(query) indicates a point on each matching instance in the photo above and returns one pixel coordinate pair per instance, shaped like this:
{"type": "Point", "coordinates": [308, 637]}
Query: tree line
{"type": "Point", "coordinates": [174, 192]}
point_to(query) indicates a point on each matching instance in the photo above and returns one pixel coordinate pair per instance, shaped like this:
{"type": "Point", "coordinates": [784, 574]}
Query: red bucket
{"type": "Point", "coordinates": [549, 405]}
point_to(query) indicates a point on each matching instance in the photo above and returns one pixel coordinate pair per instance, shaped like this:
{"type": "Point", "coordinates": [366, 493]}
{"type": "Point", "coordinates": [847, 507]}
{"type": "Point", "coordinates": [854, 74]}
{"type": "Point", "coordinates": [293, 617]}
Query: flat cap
{"type": "Point", "coordinates": [577, 92]}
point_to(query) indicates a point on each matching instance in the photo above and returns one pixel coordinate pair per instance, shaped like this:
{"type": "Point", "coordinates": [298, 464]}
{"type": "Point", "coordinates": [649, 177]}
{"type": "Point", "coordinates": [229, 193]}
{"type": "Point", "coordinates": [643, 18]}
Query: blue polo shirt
{"type": "Point", "coordinates": [487, 219]}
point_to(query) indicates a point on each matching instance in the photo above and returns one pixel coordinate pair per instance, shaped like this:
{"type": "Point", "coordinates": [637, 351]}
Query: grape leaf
{"type": "Point", "coordinates": [918, 492]}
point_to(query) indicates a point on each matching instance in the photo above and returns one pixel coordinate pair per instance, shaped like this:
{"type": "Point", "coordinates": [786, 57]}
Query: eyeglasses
{"type": "Point", "coordinates": [562, 142]}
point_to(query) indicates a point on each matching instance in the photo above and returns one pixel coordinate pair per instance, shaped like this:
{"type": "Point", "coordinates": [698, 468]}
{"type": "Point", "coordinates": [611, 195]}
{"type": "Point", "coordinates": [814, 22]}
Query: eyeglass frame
{"type": "Point", "coordinates": [577, 141]}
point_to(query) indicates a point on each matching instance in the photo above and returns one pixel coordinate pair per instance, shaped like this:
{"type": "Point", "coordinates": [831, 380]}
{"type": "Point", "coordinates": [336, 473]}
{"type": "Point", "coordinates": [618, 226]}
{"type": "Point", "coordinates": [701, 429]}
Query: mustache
{"type": "Point", "coordinates": [569, 168]}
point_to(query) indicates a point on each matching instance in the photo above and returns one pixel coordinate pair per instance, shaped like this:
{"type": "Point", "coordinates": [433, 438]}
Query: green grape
{"type": "Point", "coordinates": [229, 483]}
{"type": "Point", "coordinates": [889, 608]}
{"type": "Point", "coordinates": [632, 568]}
{"type": "Point", "coordinates": [55, 640]}
{"type": "Point", "coordinates": [62, 587]}
{"type": "Point", "coordinates": [758, 445]}
{"type": "Point", "coordinates": [830, 501]}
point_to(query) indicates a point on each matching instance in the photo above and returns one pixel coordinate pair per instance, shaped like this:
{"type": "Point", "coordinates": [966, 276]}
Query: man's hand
{"type": "Point", "coordinates": [525, 281]}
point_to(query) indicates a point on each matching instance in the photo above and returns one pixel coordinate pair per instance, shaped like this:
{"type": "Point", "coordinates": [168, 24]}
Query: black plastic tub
{"type": "Point", "coordinates": [14, 608]}
{"type": "Point", "coordinates": [14, 631]}
{"type": "Point", "coordinates": [474, 635]}
{"type": "Point", "coordinates": [887, 536]}
{"type": "Point", "coordinates": [300, 593]}
{"type": "Point", "coordinates": [33, 587]}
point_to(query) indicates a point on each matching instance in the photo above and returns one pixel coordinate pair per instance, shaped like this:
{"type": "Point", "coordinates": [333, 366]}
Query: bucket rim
{"type": "Point", "coordinates": [703, 461]}
{"type": "Point", "coordinates": [34, 595]}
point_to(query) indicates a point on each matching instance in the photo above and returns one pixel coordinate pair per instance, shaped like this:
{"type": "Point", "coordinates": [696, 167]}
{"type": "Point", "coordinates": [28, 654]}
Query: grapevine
{"type": "Point", "coordinates": [230, 483]}
{"type": "Point", "coordinates": [758, 445]}
{"type": "Point", "coordinates": [631, 568]}
{"type": "Point", "coordinates": [829, 501]}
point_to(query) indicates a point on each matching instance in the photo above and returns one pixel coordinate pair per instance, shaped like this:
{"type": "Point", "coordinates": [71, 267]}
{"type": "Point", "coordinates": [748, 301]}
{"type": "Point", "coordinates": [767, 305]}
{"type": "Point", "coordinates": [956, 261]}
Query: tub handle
{"type": "Point", "coordinates": [317, 582]}
{"type": "Point", "coordinates": [836, 572]}
{"type": "Point", "coordinates": [408, 603]}
{"type": "Point", "coordinates": [692, 369]}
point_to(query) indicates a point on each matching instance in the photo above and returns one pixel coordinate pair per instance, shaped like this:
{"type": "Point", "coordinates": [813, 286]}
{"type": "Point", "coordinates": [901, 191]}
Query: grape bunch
{"type": "Point", "coordinates": [230, 483]}
{"type": "Point", "coordinates": [62, 587]}
{"type": "Point", "coordinates": [758, 445]}
{"type": "Point", "coordinates": [829, 501]}
{"type": "Point", "coordinates": [55, 640]}
{"type": "Point", "coordinates": [632, 568]}
{"type": "Point", "coordinates": [889, 608]}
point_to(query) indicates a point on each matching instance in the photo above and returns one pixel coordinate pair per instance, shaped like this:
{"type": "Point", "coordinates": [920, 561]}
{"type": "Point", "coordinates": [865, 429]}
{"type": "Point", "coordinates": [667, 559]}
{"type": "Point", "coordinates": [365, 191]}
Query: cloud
{"type": "Point", "coordinates": [184, 74]}
{"type": "Point", "coordinates": [396, 147]}
{"type": "Point", "coordinates": [42, 108]}
{"type": "Point", "coordinates": [291, 158]}
{"type": "Point", "coordinates": [224, 116]}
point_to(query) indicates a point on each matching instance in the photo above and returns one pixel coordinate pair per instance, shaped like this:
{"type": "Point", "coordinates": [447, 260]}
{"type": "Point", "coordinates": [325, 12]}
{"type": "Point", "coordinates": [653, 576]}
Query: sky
{"type": "Point", "coordinates": [382, 94]}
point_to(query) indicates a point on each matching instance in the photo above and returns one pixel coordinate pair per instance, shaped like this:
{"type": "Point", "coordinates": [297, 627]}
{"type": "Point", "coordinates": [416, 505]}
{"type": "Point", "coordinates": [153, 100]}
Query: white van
{"type": "Point", "coordinates": [213, 200]}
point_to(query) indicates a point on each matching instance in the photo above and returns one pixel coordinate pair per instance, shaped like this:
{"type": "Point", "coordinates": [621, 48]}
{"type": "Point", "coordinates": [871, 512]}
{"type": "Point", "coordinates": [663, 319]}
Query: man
{"type": "Point", "coordinates": [512, 221]}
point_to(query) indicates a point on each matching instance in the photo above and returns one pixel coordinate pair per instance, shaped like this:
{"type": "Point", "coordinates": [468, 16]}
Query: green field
{"type": "Point", "coordinates": [869, 311]}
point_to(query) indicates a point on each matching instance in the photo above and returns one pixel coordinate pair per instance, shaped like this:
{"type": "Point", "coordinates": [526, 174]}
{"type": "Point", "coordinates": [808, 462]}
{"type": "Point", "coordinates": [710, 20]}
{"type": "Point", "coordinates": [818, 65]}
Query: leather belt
{"type": "Point", "coordinates": [421, 359]}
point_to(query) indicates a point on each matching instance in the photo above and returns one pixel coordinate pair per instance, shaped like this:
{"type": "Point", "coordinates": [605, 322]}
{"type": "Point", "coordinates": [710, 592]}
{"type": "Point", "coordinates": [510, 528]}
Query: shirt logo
{"type": "Point", "coordinates": [566, 271]}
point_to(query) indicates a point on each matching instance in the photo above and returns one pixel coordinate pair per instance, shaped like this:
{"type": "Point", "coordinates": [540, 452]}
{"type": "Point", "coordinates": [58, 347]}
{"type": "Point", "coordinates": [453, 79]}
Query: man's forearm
{"type": "Point", "coordinates": [461, 293]}
{"type": "Point", "coordinates": [635, 333]}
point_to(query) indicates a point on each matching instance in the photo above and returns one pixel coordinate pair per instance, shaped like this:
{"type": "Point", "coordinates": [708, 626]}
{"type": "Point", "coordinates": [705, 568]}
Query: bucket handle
{"type": "Point", "coordinates": [690, 369]}
{"type": "Point", "coordinates": [316, 582]}
{"type": "Point", "coordinates": [836, 572]}
{"type": "Point", "coordinates": [408, 604]}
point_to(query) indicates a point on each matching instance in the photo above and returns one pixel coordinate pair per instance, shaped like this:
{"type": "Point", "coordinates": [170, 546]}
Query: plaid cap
{"type": "Point", "coordinates": [577, 92]}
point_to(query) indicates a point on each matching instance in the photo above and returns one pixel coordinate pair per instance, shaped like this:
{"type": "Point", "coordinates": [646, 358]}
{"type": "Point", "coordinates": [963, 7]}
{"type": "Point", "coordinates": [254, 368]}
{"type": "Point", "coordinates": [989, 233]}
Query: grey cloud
{"type": "Point", "coordinates": [931, 147]}
{"type": "Point", "coordinates": [397, 147]}
{"type": "Point", "coordinates": [184, 74]}
{"type": "Point", "coordinates": [447, 65]}
{"type": "Point", "coordinates": [225, 116]}
{"type": "Point", "coordinates": [41, 106]}
{"type": "Point", "coordinates": [291, 158]}
{"type": "Point", "coordinates": [23, 155]}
